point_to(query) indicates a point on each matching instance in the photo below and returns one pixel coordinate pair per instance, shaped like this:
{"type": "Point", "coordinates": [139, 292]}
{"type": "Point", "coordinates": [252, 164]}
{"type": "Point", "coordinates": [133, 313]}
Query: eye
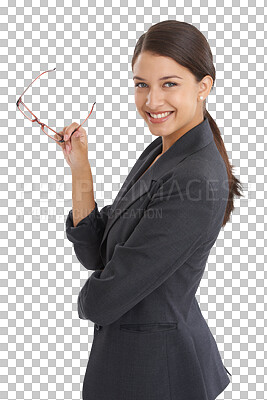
{"type": "Point", "coordinates": [172, 83]}
{"type": "Point", "coordinates": [142, 83]}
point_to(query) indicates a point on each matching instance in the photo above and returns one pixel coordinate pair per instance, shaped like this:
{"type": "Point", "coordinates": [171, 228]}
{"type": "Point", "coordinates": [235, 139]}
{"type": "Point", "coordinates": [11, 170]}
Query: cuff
{"type": "Point", "coordinates": [79, 234]}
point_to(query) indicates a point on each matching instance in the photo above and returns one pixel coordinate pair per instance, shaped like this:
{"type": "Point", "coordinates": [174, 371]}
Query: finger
{"type": "Point", "coordinates": [68, 146]}
{"type": "Point", "coordinates": [58, 137]}
{"type": "Point", "coordinates": [70, 130]}
{"type": "Point", "coordinates": [64, 130]}
{"type": "Point", "coordinates": [65, 152]}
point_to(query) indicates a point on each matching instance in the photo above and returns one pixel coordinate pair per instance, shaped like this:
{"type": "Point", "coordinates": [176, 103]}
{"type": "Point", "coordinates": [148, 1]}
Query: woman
{"type": "Point", "coordinates": [150, 247]}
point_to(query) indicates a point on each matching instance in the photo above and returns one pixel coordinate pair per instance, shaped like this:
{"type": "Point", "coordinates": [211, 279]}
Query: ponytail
{"type": "Point", "coordinates": [235, 186]}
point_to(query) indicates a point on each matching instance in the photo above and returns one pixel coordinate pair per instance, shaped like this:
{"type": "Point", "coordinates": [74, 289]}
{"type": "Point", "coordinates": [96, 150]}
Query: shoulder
{"type": "Point", "coordinates": [204, 169]}
{"type": "Point", "coordinates": [186, 173]}
{"type": "Point", "coordinates": [185, 186]}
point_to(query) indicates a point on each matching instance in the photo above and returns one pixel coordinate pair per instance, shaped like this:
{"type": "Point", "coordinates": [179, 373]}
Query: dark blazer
{"type": "Point", "coordinates": [149, 250]}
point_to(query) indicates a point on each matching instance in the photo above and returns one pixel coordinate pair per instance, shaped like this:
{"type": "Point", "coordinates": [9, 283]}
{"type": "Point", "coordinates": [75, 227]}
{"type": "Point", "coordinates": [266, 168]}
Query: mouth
{"type": "Point", "coordinates": [158, 120]}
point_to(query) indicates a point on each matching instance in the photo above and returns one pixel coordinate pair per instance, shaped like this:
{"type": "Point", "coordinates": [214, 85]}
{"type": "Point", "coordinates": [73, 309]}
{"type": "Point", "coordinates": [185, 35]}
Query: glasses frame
{"type": "Point", "coordinates": [35, 119]}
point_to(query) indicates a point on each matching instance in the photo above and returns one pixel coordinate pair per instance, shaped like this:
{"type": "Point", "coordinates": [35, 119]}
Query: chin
{"type": "Point", "coordinates": [156, 134]}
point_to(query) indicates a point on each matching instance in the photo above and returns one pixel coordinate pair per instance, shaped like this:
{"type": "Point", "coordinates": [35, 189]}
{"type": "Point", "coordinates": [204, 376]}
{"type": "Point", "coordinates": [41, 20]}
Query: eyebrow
{"type": "Point", "coordinates": [160, 79]}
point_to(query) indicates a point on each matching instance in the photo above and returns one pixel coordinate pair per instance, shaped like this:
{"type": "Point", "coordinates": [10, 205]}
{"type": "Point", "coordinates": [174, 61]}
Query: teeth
{"type": "Point", "coordinates": [161, 115]}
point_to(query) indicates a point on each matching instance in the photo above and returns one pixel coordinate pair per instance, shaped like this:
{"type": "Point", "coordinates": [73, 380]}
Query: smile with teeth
{"type": "Point", "coordinates": [160, 115]}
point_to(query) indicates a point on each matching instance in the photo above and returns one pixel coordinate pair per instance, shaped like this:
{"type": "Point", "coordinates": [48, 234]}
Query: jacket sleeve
{"type": "Point", "coordinates": [87, 235]}
{"type": "Point", "coordinates": [173, 226]}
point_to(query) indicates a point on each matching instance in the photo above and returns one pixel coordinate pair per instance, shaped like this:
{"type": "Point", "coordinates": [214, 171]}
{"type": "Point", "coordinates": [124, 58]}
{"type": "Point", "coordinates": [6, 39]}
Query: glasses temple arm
{"type": "Point", "coordinates": [34, 81]}
{"type": "Point", "coordinates": [84, 120]}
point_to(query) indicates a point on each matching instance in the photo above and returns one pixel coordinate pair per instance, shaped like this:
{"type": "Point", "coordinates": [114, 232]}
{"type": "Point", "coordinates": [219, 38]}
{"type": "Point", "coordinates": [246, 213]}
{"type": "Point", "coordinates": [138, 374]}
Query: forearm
{"type": "Point", "coordinates": [83, 201]}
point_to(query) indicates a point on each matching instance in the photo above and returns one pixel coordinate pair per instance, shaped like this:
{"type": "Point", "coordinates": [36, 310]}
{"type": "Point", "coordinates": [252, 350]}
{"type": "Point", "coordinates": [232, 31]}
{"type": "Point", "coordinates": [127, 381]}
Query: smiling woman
{"type": "Point", "coordinates": [155, 97]}
{"type": "Point", "coordinates": [188, 61]}
{"type": "Point", "coordinates": [149, 248]}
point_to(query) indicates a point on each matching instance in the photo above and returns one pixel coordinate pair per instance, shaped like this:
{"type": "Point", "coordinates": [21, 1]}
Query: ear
{"type": "Point", "coordinates": [205, 86]}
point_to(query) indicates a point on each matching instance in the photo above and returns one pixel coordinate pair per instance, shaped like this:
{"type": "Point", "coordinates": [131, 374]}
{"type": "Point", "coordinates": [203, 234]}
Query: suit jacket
{"type": "Point", "coordinates": [148, 250]}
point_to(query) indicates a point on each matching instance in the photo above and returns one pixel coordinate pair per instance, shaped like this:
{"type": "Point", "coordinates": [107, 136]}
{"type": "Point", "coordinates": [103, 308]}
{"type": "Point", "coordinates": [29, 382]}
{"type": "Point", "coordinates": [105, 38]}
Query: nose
{"type": "Point", "coordinates": [155, 100]}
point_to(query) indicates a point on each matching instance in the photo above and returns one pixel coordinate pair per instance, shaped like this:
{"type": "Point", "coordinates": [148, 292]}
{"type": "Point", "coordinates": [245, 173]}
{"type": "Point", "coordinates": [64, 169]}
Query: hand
{"type": "Point", "coordinates": [75, 147]}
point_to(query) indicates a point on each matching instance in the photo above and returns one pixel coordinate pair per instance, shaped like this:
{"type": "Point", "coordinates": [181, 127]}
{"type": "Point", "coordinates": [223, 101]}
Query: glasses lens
{"type": "Point", "coordinates": [50, 132]}
{"type": "Point", "coordinates": [47, 131]}
{"type": "Point", "coordinates": [26, 112]}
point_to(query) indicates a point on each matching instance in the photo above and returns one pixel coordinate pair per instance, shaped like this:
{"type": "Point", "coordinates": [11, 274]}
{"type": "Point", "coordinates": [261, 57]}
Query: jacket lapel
{"type": "Point", "coordinates": [133, 184]}
{"type": "Point", "coordinates": [133, 187]}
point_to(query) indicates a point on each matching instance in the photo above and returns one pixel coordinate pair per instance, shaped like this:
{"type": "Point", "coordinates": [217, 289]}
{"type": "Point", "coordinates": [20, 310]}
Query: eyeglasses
{"type": "Point", "coordinates": [27, 113]}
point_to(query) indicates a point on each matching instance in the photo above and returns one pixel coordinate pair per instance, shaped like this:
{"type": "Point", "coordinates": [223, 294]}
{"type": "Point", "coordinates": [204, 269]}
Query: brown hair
{"type": "Point", "coordinates": [185, 44]}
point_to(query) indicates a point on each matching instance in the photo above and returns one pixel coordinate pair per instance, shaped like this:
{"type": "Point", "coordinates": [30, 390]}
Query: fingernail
{"type": "Point", "coordinates": [65, 137]}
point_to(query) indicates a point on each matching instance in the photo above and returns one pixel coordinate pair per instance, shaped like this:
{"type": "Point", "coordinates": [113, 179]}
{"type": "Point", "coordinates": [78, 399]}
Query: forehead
{"type": "Point", "coordinates": [151, 64]}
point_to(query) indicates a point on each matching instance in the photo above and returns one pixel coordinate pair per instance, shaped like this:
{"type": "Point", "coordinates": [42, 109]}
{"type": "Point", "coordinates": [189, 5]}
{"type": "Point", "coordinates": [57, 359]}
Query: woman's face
{"type": "Point", "coordinates": [180, 95]}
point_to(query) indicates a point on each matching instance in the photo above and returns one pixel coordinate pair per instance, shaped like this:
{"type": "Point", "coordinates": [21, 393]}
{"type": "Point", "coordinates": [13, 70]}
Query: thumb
{"type": "Point", "coordinates": [69, 136]}
{"type": "Point", "coordinates": [78, 137]}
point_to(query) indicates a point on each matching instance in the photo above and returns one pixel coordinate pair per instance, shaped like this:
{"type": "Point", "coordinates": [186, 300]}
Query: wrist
{"type": "Point", "coordinates": [81, 171]}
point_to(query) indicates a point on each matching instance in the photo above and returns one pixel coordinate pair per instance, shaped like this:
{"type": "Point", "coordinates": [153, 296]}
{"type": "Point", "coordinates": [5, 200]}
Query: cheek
{"type": "Point", "coordinates": [184, 100]}
{"type": "Point", "coordinates": [188, 95]}
{"type": "Point", "coordinates": [136, 98]}
{"type": "Point", "coordinates": [139, 101]}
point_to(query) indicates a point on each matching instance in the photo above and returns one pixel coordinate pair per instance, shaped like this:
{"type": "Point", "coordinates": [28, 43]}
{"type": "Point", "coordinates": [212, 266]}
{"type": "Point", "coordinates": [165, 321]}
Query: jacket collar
{"type": "Point", "coordinates": [133, 188]}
